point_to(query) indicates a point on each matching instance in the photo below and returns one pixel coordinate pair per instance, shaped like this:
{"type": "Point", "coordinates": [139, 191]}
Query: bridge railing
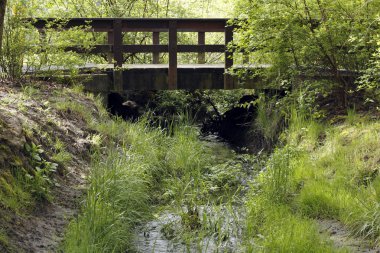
{"type": "Point", "coordinates": [115, 27]}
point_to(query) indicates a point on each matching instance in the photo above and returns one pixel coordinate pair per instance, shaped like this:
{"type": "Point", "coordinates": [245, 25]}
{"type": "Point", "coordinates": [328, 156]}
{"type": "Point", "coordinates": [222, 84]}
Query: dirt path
{"type": "Point", "coordinates": [43, 230]}
{"type": "Point", "coordinates": [342, 238]}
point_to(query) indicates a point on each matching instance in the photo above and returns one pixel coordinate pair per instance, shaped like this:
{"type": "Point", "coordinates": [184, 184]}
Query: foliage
{"type": "Point", "coordinates": [61, 155]}
{"type": "Point", "coordinates": [116, 200]}
{"type": "Point", "coordinates": [21, 187]}
{"type": "Point", "coordinates": [142, 170]}
{"type": "Point", "coordinates": [39, 179]}
{"type": "Point", "coordinates": [307, 38]}
{"type": "Point", "coordinates": [274, 228]}
{"type": "Point", "coordinates": [269, 119]}
{"type": "Point", "coordinates": [369, 82]}
{"type": "Point", "coordinates": [14, 44]}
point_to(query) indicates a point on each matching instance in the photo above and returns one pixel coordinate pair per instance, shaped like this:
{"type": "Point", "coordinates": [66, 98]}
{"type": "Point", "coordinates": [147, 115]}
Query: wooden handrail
{"type": "Point", "coordinates": [115, 27]}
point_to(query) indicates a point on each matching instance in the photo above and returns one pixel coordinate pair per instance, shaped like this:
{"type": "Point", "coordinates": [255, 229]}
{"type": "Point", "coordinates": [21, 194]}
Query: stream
{"type": "Point", "coordinates": [221, 224]}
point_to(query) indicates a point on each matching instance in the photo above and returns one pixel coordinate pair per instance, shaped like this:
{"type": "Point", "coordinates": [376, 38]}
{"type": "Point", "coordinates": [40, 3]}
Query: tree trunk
{"type": "Point", "coordinates": [3, 5]}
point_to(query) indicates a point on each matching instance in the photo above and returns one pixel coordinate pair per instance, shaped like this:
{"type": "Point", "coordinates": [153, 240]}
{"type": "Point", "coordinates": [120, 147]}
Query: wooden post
{"type": "Point", "coordinates": [118, 55]}
{"type": "Point", "coordinates": [201, 41]}
{"type": "Point", "coordinates": [117, 43]}
{"type": "Point", "coordinates": [110, 40]}
{"type": "Point", "coordinates": [172, 74]}
{"type": "Point", "coordinates": [43, 42]}
{"type": "Point", "coordinates": [228, 81]}
{"type": "Point", "coordinates": [156, 41]}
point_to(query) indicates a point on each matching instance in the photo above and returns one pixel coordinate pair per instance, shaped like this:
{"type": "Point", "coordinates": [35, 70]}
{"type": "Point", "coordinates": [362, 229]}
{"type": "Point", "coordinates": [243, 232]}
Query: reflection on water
{"type": "Point", "coordinates": [152, 237]}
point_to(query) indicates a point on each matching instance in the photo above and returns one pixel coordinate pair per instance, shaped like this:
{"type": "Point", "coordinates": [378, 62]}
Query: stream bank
{"type": "Point", "coordinates": [44, 155]}
{"type": "Point", "coordinates": [174, 189]}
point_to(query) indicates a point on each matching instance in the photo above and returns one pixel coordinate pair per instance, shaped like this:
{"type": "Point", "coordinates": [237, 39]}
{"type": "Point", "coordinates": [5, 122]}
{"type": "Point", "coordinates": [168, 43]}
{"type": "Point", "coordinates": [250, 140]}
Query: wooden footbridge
{"type": "Point", "coordinates": [119, 76]}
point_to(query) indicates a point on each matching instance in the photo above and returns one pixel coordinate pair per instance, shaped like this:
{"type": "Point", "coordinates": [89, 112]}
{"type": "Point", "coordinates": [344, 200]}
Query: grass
{"type": "Point", "coordinates": [14, 196]}
{"type": "Point", "coordinates": [27, 179]}
{"type": "Point", "coordinates": [278, 229]}
{"type": "Point", "coordinates": [322, 172]}
{"type": "Point", "coordinates": [117, 199]}
{"type": "Point", "coordinates": [268, 119]}
{"type": "Point", "coordinates": [61, 155]}
{"type": "Point", "coordinates": [137, 172]}
{"type": "Point", "coordinates": [4, 241]}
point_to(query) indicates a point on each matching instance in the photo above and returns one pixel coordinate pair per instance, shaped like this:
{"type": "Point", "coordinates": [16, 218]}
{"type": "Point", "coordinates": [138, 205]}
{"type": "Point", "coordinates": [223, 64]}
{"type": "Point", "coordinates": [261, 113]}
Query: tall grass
{"type": "Point", "coordinates": [4, 240]}
{"type": "Point", "coordinates": [269, 120]}
{"type": "Point", "coordinates": [275, 228]}
{"type": "Point", "coordinates": [117, 199]}
{"type": "Point", "coordinates": [120, 192]}
{"type": "Point", "coordinates": [323, 172]}
{"type": "Point", "coordinates": [141, 167]}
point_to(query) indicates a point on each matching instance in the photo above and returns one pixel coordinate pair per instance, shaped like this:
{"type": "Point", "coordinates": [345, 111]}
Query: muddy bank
{"type": "Point", "coordinates": [342, 237]}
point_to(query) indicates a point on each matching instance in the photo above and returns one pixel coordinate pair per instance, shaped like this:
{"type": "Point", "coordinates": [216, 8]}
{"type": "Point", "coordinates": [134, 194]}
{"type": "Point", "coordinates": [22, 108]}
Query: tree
{"type": "Point", "coordinates": [3, 5]}
{"type": "Point", "coordinates": [310, 38]}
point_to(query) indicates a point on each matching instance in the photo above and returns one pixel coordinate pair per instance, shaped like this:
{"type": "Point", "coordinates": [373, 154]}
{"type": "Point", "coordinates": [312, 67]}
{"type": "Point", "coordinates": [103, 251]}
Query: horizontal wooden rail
{"type": "Point", "coordinates": [115, 27]}
{"type": "Point", "coordinates": [133, 24]}
{"type": "Point", "coordinates": [99, 49]}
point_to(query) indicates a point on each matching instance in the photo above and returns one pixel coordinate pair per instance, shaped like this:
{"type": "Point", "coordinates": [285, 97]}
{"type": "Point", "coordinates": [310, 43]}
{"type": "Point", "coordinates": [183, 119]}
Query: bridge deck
{"type": "Point", "coordinates": [105, 67]}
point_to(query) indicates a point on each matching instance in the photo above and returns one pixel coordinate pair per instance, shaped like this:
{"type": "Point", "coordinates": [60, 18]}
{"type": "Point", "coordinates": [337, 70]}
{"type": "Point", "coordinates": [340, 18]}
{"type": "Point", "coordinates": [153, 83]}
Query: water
{"type": "Point", "coordinates": [150, 238]}
{"type": "Point", "coordinates": [221, 224]}
{"type": "Point", "coordinates": [223, 237]}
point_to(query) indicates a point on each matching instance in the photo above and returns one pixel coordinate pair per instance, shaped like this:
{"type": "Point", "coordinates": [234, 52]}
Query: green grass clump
{"type": "Point", "coordinates": [319, 200]}
{"type": "Point", "coordinates": [117, 199]}
{"type": "Point", "coordinates": [137, 172]}
{"type": "Point", "coordinates": [276, 228]}
{"type": "Point", "coordinates": [60, 155]}
{"type": "Point", "coordinates": [13, 194]}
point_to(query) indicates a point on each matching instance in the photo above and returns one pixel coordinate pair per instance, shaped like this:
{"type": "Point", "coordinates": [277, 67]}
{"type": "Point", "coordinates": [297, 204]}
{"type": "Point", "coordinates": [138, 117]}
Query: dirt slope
{"type": "Point", "coordinates": [49, 116]}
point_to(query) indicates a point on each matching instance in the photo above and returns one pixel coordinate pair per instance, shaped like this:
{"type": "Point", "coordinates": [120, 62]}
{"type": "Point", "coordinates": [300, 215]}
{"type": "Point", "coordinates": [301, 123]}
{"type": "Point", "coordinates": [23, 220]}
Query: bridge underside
{"type": "Point", "coordinates": [155, 77]}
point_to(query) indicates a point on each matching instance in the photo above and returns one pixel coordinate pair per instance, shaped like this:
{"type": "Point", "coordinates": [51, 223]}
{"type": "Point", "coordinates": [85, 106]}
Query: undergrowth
{"type": "Point", "coordinates": [138, 171]}
{"type": "Point", "coordinates": [140, 167]}
{"type": "Point", "coordinates": [321, 172]}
